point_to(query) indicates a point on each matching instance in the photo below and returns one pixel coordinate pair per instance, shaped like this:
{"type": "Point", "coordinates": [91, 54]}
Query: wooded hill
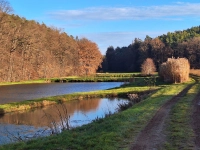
{"type": "Point", "coordinates": [30, 50]}
{"type": "Point", "coordinates": [180, 44]}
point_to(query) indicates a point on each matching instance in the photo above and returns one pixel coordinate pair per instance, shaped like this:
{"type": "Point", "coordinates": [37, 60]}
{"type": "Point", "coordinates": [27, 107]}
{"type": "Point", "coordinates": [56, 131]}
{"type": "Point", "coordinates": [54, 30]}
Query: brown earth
{"type": "Point", "coordinates": [152, 137]}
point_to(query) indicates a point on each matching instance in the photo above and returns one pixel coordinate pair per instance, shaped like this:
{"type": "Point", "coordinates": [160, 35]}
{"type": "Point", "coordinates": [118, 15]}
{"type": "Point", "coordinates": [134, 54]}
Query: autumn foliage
{"type": "Point", "coordinates": [175, 70]}
{"type": "Point", "coordinates": [89, 57]}
{"type": "Point", "coordinates": [30, 50]}
{"type": "Point", "coordinates": [148, 67]}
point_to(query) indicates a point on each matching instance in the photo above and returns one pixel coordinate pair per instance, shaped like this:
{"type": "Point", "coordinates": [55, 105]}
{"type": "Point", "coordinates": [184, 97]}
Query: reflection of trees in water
{"type": "Point", "coordinates": [37, 118]}
{"type": "Point", "coordinates": [88, 105]}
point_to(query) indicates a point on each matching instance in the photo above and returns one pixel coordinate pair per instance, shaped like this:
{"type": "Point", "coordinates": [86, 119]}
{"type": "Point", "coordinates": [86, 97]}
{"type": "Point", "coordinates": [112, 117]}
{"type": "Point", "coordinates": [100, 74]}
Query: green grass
{"type": "Point", "coordinates": [91, 79]}
{"type": "Point", "coordinates": [41, 102]}
{"type": "Point", "coordinates": [24, 82]}
{"type": "Point", "coordinates": [114, 132]}
{"type": "Point", "coordinates": [100, 77]}
{"type": "Point", "coordinates": [118, 74]}
{"type": "Point", "coordinates": [179, 131]}
{"type": "Point", "coordinates": [136, 87]}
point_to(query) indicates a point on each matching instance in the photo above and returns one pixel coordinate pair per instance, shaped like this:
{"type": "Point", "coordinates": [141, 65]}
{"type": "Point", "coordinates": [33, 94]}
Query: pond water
{"type": "Point", "coordinates": [36, 122]}
{"type": "Point", "coordinates": [21, 92]}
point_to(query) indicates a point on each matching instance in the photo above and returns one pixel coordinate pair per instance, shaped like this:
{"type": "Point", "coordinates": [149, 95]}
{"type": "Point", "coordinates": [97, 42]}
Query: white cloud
{"type": "Point", "coordinates": [178, 9]}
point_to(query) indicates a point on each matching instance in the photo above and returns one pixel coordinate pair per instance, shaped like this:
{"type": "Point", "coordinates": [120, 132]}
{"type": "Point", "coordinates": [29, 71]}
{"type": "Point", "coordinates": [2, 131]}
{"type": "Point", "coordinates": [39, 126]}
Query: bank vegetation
{"type": "Point", "coordinates": [117, 131]}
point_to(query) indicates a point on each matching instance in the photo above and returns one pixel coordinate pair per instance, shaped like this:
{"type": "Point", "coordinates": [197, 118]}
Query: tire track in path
{"type": "Point", "coordinates": [196, 120]}
{"type": "Point", "coordinates": [151, 137]}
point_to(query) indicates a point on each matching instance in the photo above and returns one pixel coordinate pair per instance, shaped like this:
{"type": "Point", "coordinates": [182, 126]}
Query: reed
{"type": "Point", "coordinates": [175, 70]}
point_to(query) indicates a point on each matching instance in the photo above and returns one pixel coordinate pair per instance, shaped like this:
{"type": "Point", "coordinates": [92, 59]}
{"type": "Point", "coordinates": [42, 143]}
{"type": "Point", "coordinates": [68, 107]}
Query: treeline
{"type": "Point", "coordinates": [30, 50]}
{"type": "Point", "coordinates": [178, 44]}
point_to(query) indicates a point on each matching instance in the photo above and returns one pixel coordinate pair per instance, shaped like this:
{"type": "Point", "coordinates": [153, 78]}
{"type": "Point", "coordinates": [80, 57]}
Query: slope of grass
{"type": "Point", "coordinates": [179, 131]}
{"type": "Point", "coordinates": [136, 87]}
{"type": "Point", "coordinates": [24, 82]}
{"type": "Point", "coordinates": [114, 132]}
{"type": "Point", "coordinates": [24, 105]}
{"type": "Point", "coordinates": [99, 77]}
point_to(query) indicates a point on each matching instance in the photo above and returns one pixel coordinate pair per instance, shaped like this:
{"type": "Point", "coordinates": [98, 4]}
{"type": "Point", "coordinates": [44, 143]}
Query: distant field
{"type": "Point", "coordinates": [195, 71]}
{"type": "Point", "coordinates": [117, 74]}
{"type": "Point", "coordinates": [24, 82]}
{"type": "Point", "coordinates": [101, 77]}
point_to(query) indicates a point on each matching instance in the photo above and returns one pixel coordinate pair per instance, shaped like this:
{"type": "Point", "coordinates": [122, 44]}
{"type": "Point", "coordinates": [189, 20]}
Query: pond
{"type": "Point", "coordinates": [21, 92]}
{"type": "Point", "coordinates": [38, 122]}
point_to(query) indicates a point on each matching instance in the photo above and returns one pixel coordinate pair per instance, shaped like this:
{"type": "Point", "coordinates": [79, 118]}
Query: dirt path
{"type": "Point", "coordinates": [196, 120]}
{"type": "Point", "coordinates": [151, 138]}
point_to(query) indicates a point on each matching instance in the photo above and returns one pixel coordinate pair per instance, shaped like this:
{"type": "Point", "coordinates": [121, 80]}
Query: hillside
{"type": "Point", "coordinates": [30, 50]}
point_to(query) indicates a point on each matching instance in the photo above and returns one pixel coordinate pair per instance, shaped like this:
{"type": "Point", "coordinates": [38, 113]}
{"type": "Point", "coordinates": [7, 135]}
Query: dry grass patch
{"type": "Point", "coordinates": [175, 70]}
{"type": "Point", "coordinates": [195, 72]}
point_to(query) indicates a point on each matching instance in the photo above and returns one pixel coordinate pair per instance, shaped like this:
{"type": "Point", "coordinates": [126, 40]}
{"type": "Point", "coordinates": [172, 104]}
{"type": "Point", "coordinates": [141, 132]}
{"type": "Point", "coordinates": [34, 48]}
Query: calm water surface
{"type": "Point", "coordinates": [34, 122]}
{"type": "Point", "coordinates": [16, 93]}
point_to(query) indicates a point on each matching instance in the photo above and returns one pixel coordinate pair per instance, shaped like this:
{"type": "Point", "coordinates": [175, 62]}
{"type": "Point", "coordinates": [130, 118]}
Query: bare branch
{"type": "Point", "coordinates": [5, 7]}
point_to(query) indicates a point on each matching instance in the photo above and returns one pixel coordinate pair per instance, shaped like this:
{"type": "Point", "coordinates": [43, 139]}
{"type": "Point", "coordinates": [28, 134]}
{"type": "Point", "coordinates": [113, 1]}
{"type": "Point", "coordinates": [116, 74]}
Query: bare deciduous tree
{"type": "Point", "coordinates": [5, 7]}
{"type": "Point", "coordinates": [148, 67]}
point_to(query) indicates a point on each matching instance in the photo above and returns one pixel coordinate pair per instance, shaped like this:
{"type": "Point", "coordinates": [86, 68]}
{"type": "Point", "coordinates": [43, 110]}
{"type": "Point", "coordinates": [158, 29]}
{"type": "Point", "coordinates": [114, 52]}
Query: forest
{"type": "Point", "coordinates": [30, 50]}
{"type": "Point", "coordinates": [178, 44]}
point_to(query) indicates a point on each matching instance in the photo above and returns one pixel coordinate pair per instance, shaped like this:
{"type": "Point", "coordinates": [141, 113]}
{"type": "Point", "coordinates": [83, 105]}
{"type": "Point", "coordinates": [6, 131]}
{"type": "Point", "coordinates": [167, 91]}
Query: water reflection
{"type": "Point", "coordinates": [16, 93]}
{"type": "Point", "coordinates": [80, 112]}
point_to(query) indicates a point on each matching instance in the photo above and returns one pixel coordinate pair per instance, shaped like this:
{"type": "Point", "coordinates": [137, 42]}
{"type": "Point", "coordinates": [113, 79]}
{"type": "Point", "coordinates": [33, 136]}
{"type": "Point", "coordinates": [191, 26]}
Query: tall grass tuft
{"type": "Point", "coordinates": [62, 114]}
{"type": "Point", "coordinates": [175, 70]}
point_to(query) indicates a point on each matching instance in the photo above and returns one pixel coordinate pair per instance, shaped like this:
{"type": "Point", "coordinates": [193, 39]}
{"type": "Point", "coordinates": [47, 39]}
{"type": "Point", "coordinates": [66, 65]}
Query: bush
{"type": "Point", "coordinates": [175, 70]}
{"type": "Point", "coordinates": [148, 67]}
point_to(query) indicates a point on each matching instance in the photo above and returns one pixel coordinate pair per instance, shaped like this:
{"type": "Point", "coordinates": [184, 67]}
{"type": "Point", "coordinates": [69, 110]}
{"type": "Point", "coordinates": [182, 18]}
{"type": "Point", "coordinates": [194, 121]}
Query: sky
{"type": "Point", "coordinates": [111, 22]}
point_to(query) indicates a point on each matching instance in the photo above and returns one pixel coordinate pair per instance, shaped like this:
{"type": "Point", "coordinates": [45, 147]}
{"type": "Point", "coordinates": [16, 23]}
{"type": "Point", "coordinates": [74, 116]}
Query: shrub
{"type": "Point", "coordinates": [175, 70]}
{"type": "Point", "coordinates": [148, 67]}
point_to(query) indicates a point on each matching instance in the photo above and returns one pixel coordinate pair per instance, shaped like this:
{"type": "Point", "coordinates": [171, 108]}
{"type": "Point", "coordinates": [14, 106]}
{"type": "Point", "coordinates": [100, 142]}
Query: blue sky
{"type": "Point", "coordinates": [112, 22]}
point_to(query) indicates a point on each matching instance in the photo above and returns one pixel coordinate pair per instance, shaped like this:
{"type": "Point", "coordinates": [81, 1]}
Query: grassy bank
{"type": "Point", "coordinates": [114, 132]}
{"type": "Point", "coordinates": [100, 77]}
{"type": "Point", "coordinates": [137, 87]}
{"type": "Point", "coordinates": [179, 131]}
{"type": "Point", "coordinates": [24, 82]}
{"type": "Point", "coordinates": [29, 104]}
{"type": "Point", "coordinates": [92, 79]}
